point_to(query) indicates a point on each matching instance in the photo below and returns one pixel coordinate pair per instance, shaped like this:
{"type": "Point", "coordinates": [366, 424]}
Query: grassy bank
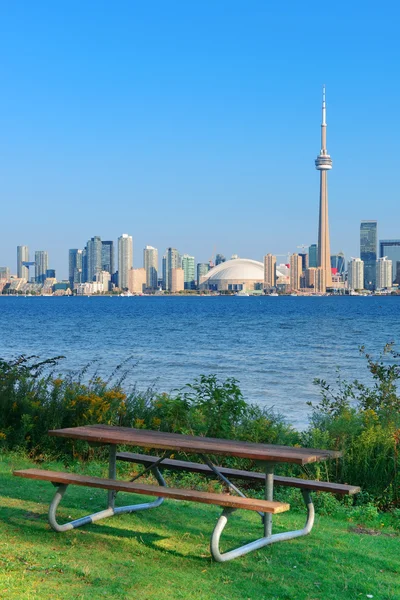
{"type": "Point", "coordinates": [163, 554]}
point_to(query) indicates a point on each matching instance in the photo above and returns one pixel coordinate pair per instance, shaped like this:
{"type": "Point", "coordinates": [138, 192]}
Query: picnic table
{"type": "Point", "coordinates": [266, 456]}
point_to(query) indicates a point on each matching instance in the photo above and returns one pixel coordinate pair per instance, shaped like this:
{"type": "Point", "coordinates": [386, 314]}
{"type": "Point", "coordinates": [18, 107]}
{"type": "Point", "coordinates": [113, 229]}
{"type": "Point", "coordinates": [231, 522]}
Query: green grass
{"type": "Point", "coordinates": [164, 553]}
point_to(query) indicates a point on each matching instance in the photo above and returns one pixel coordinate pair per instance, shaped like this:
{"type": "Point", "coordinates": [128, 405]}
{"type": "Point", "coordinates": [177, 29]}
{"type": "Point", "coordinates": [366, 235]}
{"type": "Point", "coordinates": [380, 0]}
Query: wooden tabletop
{"type": "Point", "coordinates": [145, 438]}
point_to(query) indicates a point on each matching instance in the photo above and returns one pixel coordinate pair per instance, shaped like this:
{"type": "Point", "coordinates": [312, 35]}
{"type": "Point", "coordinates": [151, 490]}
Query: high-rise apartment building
{"type": "Point", "coordinates": [355, 274]}
{"type": "Point", "coordinates": [125, 260]}
{"type": "Point", "coordinates": [22, 256]}
{"type": "Point", "coordinates": [41, 265]}
{"type": "Point", "coordinates": [137, 280]}
{"type": "Point", "coordinates": [188, 271]}
{"type": "Point", "coordinates": [338, 262]}
{"type": "Point", "coordinates": [313, 256]}
{"type": "Point", "coordinates": [304, 260]}
{"type": "Point", "coordinates": [320, 283]}
{"type": "Point", "coordinates": [202, 270]}
{"type": "Point", "coordinates": [391, 249]}
{"type": "Point", "coordinates": [220, 258]}
{"type": "Point", "coordinates": [93, 258]}
{"type": "Point", "coordinates": [172, 261]}
{"type": "Point", "coordinates": [150, 263]}
{"type": "Point", "coordinates": [310, 277]}
{"type": "Point", "coordinates": [295, 271]}
{"type": "Point", "coordinates": [368, 248]}
{"type": "Point", "coordinates": [323, 164]}
{"type": "Point", "coordinates": [177, 280]}
{"type": "Point", "coordinates": [75, 266]}
{"type": "Point", "coordinates": [269, 271]}
{"type": "Point", "coordinates": [384, 273]}
{"type": "Point", "coordinates": [107, 256]}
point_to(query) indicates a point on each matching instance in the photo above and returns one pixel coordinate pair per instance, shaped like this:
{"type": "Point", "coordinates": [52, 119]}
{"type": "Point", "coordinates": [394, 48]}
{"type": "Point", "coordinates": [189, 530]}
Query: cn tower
{"type": "Point", "coordinates": [323, 164]}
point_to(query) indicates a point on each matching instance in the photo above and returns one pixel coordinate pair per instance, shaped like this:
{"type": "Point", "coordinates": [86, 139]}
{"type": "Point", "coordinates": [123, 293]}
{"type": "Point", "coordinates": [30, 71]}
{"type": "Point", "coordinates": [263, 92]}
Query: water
{"type": "Point", "coordinates": [275, 347]}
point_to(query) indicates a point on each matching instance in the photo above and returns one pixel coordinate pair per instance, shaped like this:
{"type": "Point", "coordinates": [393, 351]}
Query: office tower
{"type": "Point", "coordinates": [355, 274]}
{"type": "Point", "coordinates": [125, 260]}
{"type": "Point", "coordinates": [320, 283]}
{"type": "Point", "coordinates": [397, 278]}
{"type": "Point", "coordinates": [220, 258]}
{"type": "Point", "coordinates": [310, 277]}
{"type": "Point", "coordinates": [173, 261]}
{"type": "Point", "coordinates": [50, 274]}
{"type": "Point", "coordinates": [188, 270]}
{"type": "Point", "coordinates": [384, 273]}
{"type": "Point", "coordinates": [269, 271]}
{"type": "Point", "coordinates": [304, 261]}
{"type": "Point", "coordinates": [323, 164]}
{"type": "Point", "coordinates": [4, 273]}
{"type": "Point", "coordinates": [368, 247]}
{"type": "Point", "coordinates": [177, 279]}
{"type": "Point", "coordinates": [137, 280]}
{"type": "Point", "coordinates": [164, 272]}
{"type": "Point", "coordinates": [295, 271]}
{"type": "Point", "coordinates": [93, 258]}
{"type": "Point", "coordinates": [391, 249]}
{"type": "Point", "coordinates": [41, 265]}
{"type": "Point", "coordinates": [75, 266]}
{"type": "Point", "coordinates": [22, 256]}
{"type": "Point", "coordinates": [107, 256]}
{"type": "Point", "coordinates": [338, 263]}
{"type": "Point", "coordinates": [150, 263]}
{"type": "Point", "coordinates": [202, 270]}
{"type": "Point", "coordinates": [313, 256]}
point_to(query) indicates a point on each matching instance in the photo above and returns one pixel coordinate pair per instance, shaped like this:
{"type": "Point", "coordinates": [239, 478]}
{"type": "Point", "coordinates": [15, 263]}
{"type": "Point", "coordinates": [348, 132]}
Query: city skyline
{"type": "Point", "coordinates": [195, 126]}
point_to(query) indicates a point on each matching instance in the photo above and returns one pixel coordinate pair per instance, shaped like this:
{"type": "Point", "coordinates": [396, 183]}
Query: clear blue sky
{"type": "Point", "coordinates": [195, 124]}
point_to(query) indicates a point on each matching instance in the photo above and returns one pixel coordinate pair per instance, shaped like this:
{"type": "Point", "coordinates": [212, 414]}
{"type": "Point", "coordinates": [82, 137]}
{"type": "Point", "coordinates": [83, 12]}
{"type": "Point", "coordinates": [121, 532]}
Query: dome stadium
{"type": "Point", "coordinates": [235, 275]}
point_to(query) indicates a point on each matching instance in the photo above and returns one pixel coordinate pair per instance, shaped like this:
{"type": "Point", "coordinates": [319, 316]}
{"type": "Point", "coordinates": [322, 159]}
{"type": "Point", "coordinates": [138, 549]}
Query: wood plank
{"type": "Point", "coordinates": [153, 490]}
{"type": "Point", "coordinates": [182, 465]}
{"type": "Point", "coordinates": [108, 434]}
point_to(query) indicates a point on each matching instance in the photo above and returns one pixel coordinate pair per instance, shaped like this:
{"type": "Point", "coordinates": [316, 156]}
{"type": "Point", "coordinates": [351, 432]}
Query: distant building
{"type": "Point", "coordinates": [188, 270]}
{"type": "Point", "coordinates": [137, 281]}
{"type": "Point", "coordinates": [220, 258]}
{"type": "Point", "coordinates": [4, 273]}
{"type": "Point", "coordinates": [202, 270]}
{"type": "Point", "coordinates": [105, 279]}
{"type": "Point", "coordinates": [150, 263]}
{"type": "Point", "coordinates": [177, 280]}
{"type": "Point", "coordinates": [295, 271]}
{"type": "Point", "coordinates": [355, 274]}
{"type": "Point", "coordinates": [22, 256]}
{"type": "Point", "coordinates": [338, 262]}
{"type": "Point", "coordinates": [125, 260]}
{"type": "Point", "coordinates": [310, 277]}
{"type": "Point", "coordinates": [172, 261]}
{"type": "Point", "coordinates": [304, 260]}
{"type": "Point", "coordinates": [41, 265]}
{"type": "Point", "coordinates": [50, 274]}
{"type": "Point", "coordinates": [107, 256]}
{"type": "Point", "coordinates": [269, 271]}
{"type": "Point", "coordinates": [384, 278]}
{"type": "Point", "coordinates": [313, 255]}
{"type": "Point", "coordinates": [320, 280]}
{"type": "Point", "coordinates": [368, 249]}
{"type": "Point", "coordinates": [391, 249]}
{"type": "Point", "coordinates": [75, 274]}
{"type": "Point", "coordinates": [93, 258]}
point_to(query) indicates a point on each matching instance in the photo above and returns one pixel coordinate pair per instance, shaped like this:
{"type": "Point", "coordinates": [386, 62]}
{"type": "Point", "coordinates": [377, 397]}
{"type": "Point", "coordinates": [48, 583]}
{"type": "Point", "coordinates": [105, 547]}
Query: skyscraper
{"type": "Point", "coordinates": [107, 256]}
{"type": "Point", "coordinates": [220, 258]}
{"type": "Point", "coordinates": [22, 256]}
{"type": "Point", "coordinates": [93, 258]}
{"type": "Point", "coordinates": [75, 266]}
{"type": "Point", "coordinates": [338, 263]}
{"type": "Point", "coordinates": [391, 249]}
{"type": "Point", "coordinates": [150, 263]}
{"type": "Point", "coordinates": [188, 270]}
{"type": "Point", "coordinates": [368, 248]}
{"type": "Point", "coordinates": [384, 277]}
{"type": "Point", "coordinates": [172, 261]}
{"type": "Point", "coordinates": [202, 270]}
{"type": "Point", "coordinates": [323, 164]}
{"type": "Point", "coordinates": [295, 271]}
{"type": "Point", "coordinates": [125, 260]}
{"type": "Point", "coordinates": [269, 271]}
{"type": "Point", "coordinates": [355, 274]}
{"type": "Point", "coordinates": [41, 265]}
{"type": "Point", "coordinates": [313, 255]}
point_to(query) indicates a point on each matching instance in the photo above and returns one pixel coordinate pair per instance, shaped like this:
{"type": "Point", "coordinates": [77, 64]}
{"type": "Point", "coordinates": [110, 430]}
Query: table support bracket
{"type": "Point", "coordinates": [260, 543]}
{"type": "Point", "coordinates": [103, 514]}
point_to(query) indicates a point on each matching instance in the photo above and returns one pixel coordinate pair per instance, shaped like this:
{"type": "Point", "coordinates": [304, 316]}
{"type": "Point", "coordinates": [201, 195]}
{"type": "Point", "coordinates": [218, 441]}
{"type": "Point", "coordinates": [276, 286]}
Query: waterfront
{"type": "Point", "coordinates": [275, 347]}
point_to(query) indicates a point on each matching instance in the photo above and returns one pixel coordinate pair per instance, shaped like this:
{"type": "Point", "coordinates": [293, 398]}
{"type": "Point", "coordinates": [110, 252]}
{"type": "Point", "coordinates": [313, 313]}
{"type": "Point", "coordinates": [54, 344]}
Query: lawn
{"type": "Point", "coordinates": [164, 553]}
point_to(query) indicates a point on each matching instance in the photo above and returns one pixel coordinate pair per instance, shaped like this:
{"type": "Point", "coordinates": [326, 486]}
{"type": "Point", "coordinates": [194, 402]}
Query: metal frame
{"type": "Point", "coordinates": [111, 509]}
{"type": "Point", "coordinates": [218, 556]}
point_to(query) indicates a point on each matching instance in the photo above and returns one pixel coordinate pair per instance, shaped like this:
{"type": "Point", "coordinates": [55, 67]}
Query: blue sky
{"type": "Point", "coordinates": [195, 124]}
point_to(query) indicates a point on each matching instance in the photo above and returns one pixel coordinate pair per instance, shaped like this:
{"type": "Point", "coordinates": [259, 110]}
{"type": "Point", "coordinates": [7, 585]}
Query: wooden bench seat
{"type": "Point", "coordinates": [182, 465]}
{"type": "Point", "coordinates": [154, 490]}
